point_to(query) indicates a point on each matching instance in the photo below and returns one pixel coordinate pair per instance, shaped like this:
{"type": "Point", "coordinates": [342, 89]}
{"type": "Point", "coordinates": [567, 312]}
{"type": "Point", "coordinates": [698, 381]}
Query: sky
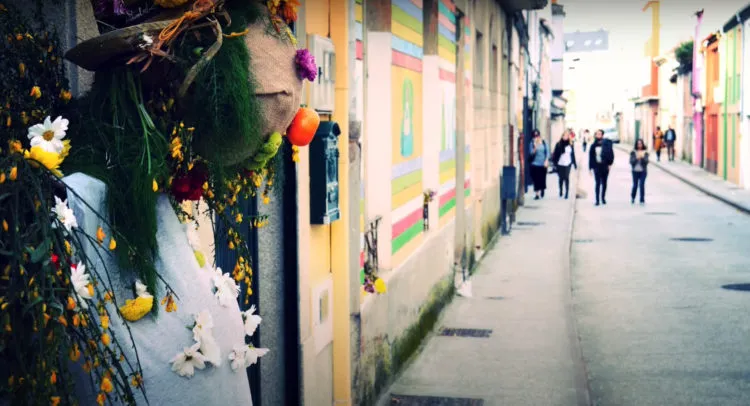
{"type": "Point", "coordinates": [611, 77]}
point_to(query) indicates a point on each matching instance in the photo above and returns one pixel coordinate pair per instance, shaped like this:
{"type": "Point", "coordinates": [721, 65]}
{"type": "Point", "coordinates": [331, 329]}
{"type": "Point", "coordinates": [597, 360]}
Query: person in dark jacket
{"type": "Point", "coordinates": [639, 162]}
{"type": "Point", "coordinates": [601, 158]}
{"type": "Point", "coordinates": [564, 156]}
{"type": "Point", "coordinates": [669, 139]}
{"type": "Point", "coordinates": [539, 159]}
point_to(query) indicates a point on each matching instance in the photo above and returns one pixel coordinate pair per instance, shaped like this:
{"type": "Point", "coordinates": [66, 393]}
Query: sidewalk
{"type": "Point", "coordinates": [702, 180]}
{"type": "Point", "coordinates": [514, 342]}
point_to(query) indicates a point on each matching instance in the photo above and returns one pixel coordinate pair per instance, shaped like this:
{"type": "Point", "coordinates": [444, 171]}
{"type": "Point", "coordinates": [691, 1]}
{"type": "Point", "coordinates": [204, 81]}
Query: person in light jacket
{"type": "Point", "coordinates": [639, 163]}
{"type": "Point", "coordinates": [564, 156]}
{"type": "Point", "coordinates": [601, 158]}
{"type": "Point", "coordinates": [539, 159]}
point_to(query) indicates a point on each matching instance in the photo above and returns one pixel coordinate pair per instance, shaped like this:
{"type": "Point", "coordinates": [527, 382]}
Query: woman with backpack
{"type": "Point", "coordinates": [564, 156]}
{"type": "Point", "coordinates": [539, 160]}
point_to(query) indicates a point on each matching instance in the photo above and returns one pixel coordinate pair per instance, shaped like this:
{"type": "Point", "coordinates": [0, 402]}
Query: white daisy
{"type": "Point", "coordinates": [185, 362]}
{"type": "Point", "coordinates": [227, 289]}
{"type": "Point", "coordinates": [242, 356]}
{"type": "Point", "coordinates": [81, 283]}
{"type": "Point", "coordinates": [203, 335]}
{"type": "Point", "coordinates": [49, 135]}
{"type": "Point", "coordinates": [252, 321]}
{"type": "Point", "coordinates": [64, 214]}
{"type": "Point", "coordinates": [141, 290]}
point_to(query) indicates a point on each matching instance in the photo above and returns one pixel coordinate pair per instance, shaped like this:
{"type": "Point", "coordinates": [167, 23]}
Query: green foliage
{"type": "Point", "coordinates": [684, 56]}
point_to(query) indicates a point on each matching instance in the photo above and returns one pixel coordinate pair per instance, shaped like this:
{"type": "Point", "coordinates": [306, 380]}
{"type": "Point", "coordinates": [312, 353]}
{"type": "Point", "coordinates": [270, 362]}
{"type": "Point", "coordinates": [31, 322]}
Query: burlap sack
{"type": "Point", "coordinates": [279, 89]}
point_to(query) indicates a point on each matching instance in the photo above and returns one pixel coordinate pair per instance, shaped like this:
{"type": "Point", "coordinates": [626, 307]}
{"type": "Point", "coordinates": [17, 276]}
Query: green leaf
{"type": "Point", "coordinates": [32, 304]}
{"type": "Point", "coordinates": [40, 252]}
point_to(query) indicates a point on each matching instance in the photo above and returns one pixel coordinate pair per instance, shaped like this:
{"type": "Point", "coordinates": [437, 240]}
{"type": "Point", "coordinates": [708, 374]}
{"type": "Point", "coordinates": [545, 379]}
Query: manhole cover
{"type": "Point", "coordinates": [661, 213]}
{"type": "Point", "coordinates": [465, 332]}
{"type": "Point", "coordinates": [582, 241]}
{"type": "Point", "coordinates": [404, 400]}
{"type": "Point", "coordinates": [744, 287]}
{"type": "Point", "coordinates": [692, 239]}
{"type": "Point", "coordinates": [529, 223]}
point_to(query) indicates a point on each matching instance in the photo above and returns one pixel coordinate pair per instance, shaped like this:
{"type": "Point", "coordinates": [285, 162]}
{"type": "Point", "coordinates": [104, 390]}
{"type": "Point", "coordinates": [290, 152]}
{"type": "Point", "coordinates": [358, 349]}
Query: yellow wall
{"type": "Point", "coordinates": [330, 18]}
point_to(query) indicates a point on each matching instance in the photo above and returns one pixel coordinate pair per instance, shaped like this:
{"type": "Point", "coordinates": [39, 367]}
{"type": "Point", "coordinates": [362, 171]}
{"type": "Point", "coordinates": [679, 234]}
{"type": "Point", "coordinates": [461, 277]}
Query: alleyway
{"type": "Point", "coordinates": [655, 325]}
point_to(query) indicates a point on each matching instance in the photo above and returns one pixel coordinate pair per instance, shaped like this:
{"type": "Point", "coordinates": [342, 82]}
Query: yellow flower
{"type": "Point", "coordinates": [100, 235]}
{"type": "Point", "coordinates": [22, 69]}
{"type": "Point", "coordinates": [5, 225]}
{"type": "Point", "coordinates": [238, 218]}
{"type": "Point", "coordinates": [90, 288]}
{"type": "Point", "coordinates": [171, 306]}
{"type": "Point", "coordinates": [36, 92]}
{"type": "Point", "coordinates": [66, 149]}
{"type": "Point", "coordinates": [200, 258]}
{"type": "Point", "coordinates": [112, 244]}
{"type": "Point", "coordinates": [106, 385]}
{"type": "Point", "coordinates": [154, 186]}
{"type": "Point", "coordinates": [65, 95]}
{"type": "Point", "coordinates": [15, 146]}
{"type": "Point", "coordinates": [100, 398]}
{"type": "Point", "coordinates": [51, 160]}
{"type": "Point", "coordinates": [107, 296]}
{"type": "Point", "coordinates": [75, 353]}
{"type": "Point", "coordinates": [106, 340]}
{"type": "Point", "coordinates": [63, 321]}
{"type": "Point", "coordinates": [71, 304]}
{"type": "Point", "coordinates": [380, 286]}
{"type": "Point", "coordinates": [13, 173]}
{"type": "Point", "coordinates": [266, 200]}
{"type": "Point", "coordinates": [105, 321]}
{"type": "Point", "coordinates": [68, 249]}
{"type": "Point", "coordinates": [137, 381]}
{"type": "Point", "coordinates": [231, 245]}
{"type": "Point", "coordinates": [53, 378]}
{"type": "Point", "coordinates": [54, 401]}
{"type": "Point", "coordinates": [76, 320]}
{"type": "Point", "coordinates": [2, 177]}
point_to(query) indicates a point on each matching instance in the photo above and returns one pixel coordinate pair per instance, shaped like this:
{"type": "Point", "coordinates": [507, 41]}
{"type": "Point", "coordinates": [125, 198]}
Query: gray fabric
{"type": "Point", "coordinates": [159, 339]}
{"type": "Point", "coordinates": [540, 155]}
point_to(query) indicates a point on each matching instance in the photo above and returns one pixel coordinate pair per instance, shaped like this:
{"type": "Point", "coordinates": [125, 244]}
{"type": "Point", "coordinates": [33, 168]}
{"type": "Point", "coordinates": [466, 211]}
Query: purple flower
{"type": "Point", "coordinates": [306, 68]}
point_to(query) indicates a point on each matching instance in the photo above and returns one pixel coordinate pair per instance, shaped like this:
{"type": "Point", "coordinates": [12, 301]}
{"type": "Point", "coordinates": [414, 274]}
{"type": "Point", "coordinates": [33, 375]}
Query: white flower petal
{"type": "Point", "coordinates": [253, 354]}
{"type": "Point", "coordinates": [47, 122]}
{"type": "Point", "coordinates": [252, 321]}
{"type": "Point", "coordinates": [185, 362]}
{"type": "Point", "coordinates": [36, 130]}
{"type": "Point", "coordinates": [141, 290]}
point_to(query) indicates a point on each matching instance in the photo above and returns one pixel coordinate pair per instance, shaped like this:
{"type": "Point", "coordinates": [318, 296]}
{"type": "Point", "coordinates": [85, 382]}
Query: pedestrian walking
{"type": "Point", "coordinates": [669, 139]}
{"type": "Point", "coordinates": [539, 158]}
{"type": "Point", "coordinates": [585, 139]}
{"type": "Point", "coordinates": [601, 158]}
{"type": "Point", "coordinates": [639, 163]}
{"type": "Point", "coordinates": [564, 156]}
{"type": "Point", "coordinates": [658, 142]}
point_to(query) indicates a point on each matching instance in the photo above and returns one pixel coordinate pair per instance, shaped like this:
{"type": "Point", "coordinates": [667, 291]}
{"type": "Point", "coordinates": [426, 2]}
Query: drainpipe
{"type": "Point", "coordinates": [363, 134]}
{"type": "Point", "coordinates": [746, 154]}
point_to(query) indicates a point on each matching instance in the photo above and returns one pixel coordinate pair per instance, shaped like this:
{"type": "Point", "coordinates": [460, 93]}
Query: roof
{"type": "Point", "coordinates": [743, 15]}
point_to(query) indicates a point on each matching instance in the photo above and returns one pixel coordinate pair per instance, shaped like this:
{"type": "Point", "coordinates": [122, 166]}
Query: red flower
{"type": "Point", "coordinates": [190, 186]}
{"type": "Point", "coordinates": [55, 260]}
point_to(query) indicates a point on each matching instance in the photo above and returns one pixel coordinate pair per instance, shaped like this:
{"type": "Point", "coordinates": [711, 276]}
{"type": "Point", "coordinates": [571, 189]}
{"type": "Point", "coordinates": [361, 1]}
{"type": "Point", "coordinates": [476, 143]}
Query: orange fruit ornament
{"type": "Point", "coordinates": [303, 127]}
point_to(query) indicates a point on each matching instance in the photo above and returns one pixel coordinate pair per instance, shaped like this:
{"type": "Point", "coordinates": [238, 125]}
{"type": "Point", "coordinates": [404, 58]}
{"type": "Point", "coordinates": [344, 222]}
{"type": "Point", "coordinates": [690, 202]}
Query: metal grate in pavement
{"type": "Point", "coordinates": [465, 332]}
{"type": "Point", "coordinates": [495, 298]}
{"type": "Point", "coordinates": [529, 223]}
{"type": "Point", "coordinates": [742, 287]}
{"type": "Point", "coordinates": [531, 207]}
{"type": "Point", "coordinates": [582, 240]}
{"type": "Point", "coordinates": [691, 239]}
{"type": "Point", "coordinates": [661, 213]}
{"type": "Point", "coordinates": [404, 400]}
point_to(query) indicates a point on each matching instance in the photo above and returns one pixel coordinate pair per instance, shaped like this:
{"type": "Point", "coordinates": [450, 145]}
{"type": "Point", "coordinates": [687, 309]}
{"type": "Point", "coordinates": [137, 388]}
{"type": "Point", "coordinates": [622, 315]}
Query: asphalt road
{"type": "Point", "coordinates": [655, 325]}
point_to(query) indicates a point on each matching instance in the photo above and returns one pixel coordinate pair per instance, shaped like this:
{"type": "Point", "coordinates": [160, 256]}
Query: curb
{"type": "Point", "coordinates": [583, 390]}
{"type": "Point", "coordinates": [723, 199]}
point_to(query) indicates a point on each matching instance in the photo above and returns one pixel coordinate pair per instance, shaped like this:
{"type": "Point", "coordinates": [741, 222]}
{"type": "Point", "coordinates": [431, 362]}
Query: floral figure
{"type": "Point", "coordinates": [64, 214]}
{"type": "Point", "coordinates": [251, 320]}
{"type": "Point", "coordinates": [185, 363]}
{"type": "Point", "coordinates": [135, 309]}
{"type": "Point", "coordinates": [49, 134]}
{"type": "Point", "coordinates": [81, 283]}
{"type": "Point", "coordinates": [227, 289]}
{"type": "Point", "coordinates": [306, 68]}
{"type": "Point", "coordinates": [203, 335]}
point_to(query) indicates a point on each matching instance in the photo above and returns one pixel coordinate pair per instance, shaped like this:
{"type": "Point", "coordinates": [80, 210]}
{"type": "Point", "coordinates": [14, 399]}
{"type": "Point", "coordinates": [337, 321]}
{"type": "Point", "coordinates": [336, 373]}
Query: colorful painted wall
{"type": "Point", "coordinates": [447, 64]}
{"type": "Point", "coordinates": [406, 171]}
{"type": "Point", "coordinates": [730, 152]}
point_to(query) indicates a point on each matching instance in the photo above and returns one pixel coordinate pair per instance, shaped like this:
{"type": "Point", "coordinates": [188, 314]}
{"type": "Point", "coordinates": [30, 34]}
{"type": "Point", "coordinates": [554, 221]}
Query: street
{"type": "Point", "coordinates": [637, 317]}
{"type": "Point", "coordinates": [655, 325]}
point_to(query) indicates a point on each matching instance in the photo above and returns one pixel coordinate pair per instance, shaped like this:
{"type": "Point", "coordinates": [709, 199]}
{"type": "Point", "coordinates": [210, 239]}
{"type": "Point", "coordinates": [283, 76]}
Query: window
{"type": "Point", "coordinates": [493, 70]}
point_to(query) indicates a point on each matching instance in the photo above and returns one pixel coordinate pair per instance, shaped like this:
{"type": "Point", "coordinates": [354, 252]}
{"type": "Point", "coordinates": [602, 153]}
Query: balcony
{"type": "Point", "coordinates": [518, 5]}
